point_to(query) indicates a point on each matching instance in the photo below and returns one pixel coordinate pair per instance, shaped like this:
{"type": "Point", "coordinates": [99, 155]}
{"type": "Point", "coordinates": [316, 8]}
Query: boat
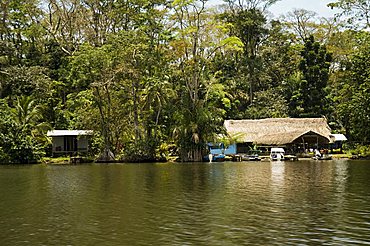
{"type": "Point", "coordinates": [277, 154]}
{"type": "Point", "coordinates": [214, 158]}
{"type": "Point", "coordinates": [251, 157]}
{"type": "Point", "coordinates": [322, 157]}
{"type": "Point", "coordinates": [216, 153]}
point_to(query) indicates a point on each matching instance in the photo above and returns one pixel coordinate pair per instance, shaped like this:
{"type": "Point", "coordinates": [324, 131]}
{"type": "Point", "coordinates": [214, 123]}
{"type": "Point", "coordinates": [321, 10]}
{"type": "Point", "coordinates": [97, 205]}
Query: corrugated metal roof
{"type": "Point", "coordinates": [338, 137]}
{"type": "Point", "coordinates": [56, 133]}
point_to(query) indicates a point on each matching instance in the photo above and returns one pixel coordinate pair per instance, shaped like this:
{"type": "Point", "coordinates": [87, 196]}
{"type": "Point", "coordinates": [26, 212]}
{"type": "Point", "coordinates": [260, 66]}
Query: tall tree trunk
{"type": "Point", "coordinates": [107, 154]}
{"type": "Point", "coordinates": [135, 109]}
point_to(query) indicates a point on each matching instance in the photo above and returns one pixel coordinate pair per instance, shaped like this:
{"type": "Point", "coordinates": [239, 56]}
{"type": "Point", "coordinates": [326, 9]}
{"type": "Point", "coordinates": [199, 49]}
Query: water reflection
{"type": "Point", "coordinates": [341, 175]}
{"type": "Point", "coordinates": [253, 203]}
{"type": "Point", "coordinates": [278, 174]}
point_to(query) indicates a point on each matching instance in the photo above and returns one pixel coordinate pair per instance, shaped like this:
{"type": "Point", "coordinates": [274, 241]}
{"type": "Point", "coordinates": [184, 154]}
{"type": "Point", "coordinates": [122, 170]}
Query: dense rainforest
{"type": "Point", "coordinates": [158, 77]}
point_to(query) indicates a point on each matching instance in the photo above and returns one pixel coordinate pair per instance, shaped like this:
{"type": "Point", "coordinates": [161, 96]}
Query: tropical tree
{"type": "Point", "coordinates": [125, 79]}
{"type": "Point", "coordinates": [249, 27]}
{"type": "Point", "coordinates": [314, 66]}
{"type": "Point", "coordinates": [351, 95]}
{"type": "Point", "coordinates": [142, 72]}
{"type": "Point", "coordinates": [24, 80]}
{"type": "Point", "coordinates": [92, 69]}
{"type": "Point", "coordinates": [268, 104]}
{"type": "Point", "coordinates": [301, 22]}
{"type": "Point", "coordinates": [262, 5]}
{"type": "Point", "coordinates": [356, 12]}
{"type": "Point", "coordinates": [199, 36]}
{"type": "Point", "coordinates": [23, 133]}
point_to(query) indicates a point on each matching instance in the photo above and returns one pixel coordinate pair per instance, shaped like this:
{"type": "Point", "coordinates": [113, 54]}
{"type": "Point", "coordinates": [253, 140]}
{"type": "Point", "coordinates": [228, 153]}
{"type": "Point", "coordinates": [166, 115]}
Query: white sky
{"type": "Point", "coordinates": [285, 6]}
{"type": "Point", "coordinates": [318, 6]}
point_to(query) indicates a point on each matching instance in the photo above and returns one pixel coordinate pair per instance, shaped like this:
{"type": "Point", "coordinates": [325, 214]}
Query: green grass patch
{"type": "Point", "coordinates": [56, 160]}
{"type": "Point", "coordinates": [342, 156]}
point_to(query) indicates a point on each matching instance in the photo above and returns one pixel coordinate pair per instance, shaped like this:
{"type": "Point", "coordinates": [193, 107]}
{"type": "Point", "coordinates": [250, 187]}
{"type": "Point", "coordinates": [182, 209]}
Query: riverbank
{"type": "Point", "coordinates": [77, 160]}
{"type": "Point", "coordinates": [66, 160]}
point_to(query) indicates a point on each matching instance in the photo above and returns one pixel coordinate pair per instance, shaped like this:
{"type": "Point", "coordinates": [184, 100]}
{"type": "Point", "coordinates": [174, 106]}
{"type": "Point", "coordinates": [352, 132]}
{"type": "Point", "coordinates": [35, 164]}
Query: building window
{"type": "Point", "coordinates": [70, 143]}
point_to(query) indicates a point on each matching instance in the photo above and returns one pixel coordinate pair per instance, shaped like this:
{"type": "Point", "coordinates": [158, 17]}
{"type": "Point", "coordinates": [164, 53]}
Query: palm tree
{"type": "Point", "coordinates": [156, 95]}
{"type": "Point", "coordinates": [26, 136]}
{"type": "Point", "coordinates": [27, 115]}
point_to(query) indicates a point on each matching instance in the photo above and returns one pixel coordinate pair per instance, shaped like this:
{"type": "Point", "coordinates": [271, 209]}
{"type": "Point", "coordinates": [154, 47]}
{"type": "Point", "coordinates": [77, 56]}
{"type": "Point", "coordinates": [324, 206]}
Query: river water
{"type": "Point", "coordinates": [248, 203]}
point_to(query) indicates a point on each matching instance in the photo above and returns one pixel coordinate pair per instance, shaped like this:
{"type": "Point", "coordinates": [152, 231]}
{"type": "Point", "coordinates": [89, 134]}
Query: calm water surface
{"type": "Point", "coordinates": [254, 203]}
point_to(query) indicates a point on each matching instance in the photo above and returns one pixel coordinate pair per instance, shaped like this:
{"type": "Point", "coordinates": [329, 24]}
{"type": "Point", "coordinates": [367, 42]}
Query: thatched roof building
{"type": "Point", "coordinates": [280, 131]}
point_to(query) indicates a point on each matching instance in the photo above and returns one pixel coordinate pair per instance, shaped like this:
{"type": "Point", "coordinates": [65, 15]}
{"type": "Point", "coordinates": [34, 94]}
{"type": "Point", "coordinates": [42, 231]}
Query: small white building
{"type": "Point", "coordinates": [70, 141]}
{"type": "Point", "coordinates": [337, 141]}
{"type": "Point", "coordinates": [338, 137]}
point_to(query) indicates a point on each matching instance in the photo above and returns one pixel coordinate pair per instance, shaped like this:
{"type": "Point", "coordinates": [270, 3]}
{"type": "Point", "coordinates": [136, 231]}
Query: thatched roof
{"type": "Point", "coordinates": [277, 131]}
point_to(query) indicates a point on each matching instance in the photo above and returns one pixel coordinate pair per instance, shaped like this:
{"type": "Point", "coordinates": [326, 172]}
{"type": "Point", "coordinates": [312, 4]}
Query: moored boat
{"type": "Point", "coordinates": [214, 158]}
{"type": "Point", "coordinates": [277, 154]}
{"type": "Point", "coordinates": [251, 157]}
{"type": "Point", "coordinates": [322, 158]}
